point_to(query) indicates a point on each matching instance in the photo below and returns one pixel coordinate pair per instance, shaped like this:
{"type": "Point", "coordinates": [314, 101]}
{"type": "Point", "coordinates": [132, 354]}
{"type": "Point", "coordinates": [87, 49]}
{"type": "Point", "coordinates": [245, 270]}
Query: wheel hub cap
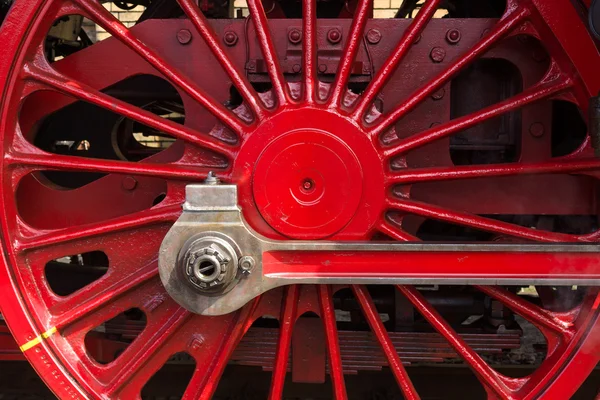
{"type": "Point", "coordinates": [307, 184]}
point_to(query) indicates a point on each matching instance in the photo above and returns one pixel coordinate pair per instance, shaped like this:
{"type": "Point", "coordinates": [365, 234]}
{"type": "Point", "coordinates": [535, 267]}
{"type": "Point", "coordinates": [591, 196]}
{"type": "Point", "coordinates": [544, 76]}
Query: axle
{"type": "Point", "coordinates": [212, 263]}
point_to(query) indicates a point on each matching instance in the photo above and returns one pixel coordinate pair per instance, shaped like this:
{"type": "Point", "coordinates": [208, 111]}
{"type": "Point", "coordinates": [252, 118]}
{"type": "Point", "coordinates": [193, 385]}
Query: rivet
{"type": "Point", "coordinates": [184, 36]}
{"type": "Point", "coordinates": [373, 36]}
{"type": "Point", "coordinates": [296, 68]}
{"type": "Point", "coordinates": [230, 38]}
{"type": "Point", "coordinates": [128, 183]}
{"type": "Point", "coordinates": [437, 54]}
{"type": "Point", "coordinates": [322, 68]}
{"type": "Point", "coordinates": [334, 36]}
{"type": "Point", "coordinates": [453, 36]}
{"type": "Point", "coordinates": [439, 94]}
{"type": "Point", "coordinates": [295, 36]}
{"type": "Point", "coordinates": [537, 129]}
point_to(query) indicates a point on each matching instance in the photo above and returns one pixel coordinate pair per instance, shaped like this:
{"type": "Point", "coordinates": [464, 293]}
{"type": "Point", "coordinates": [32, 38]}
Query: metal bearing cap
{"type": "Point", "coordinates": [209, 264]}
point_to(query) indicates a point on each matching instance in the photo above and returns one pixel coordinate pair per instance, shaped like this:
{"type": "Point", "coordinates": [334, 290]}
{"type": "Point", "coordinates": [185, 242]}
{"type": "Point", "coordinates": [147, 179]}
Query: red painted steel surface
{"type": "Point", "coordinates": [392, 164]}
{"type": "Point", "coordinates": [467, 265]}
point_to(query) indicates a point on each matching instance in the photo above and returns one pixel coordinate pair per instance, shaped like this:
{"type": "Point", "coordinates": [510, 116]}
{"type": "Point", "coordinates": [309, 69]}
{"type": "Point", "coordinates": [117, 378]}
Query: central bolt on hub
{"type": "Point", "coordinates": [308, 184]}
{"type": "Point", "coordinates": [210, 264]}
{"type": "Point", "coordinates": [207, 267]}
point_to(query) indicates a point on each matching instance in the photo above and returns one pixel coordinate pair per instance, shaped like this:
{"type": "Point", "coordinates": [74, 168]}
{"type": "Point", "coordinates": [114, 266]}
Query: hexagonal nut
{"type": "Point", "coordinates": [209, 264]}
{"type": "Point", "coordinates": [212, 255]}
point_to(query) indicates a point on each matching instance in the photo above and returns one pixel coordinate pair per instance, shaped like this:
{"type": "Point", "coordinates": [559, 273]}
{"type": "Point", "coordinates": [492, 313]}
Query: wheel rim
{"type": "Point", "coordinates": [32, 309]}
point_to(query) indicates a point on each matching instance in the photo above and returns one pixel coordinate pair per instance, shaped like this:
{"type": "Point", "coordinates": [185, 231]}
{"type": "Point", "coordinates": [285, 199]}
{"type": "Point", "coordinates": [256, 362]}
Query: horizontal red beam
{"type": "Point", "coordinates": [494, 266]}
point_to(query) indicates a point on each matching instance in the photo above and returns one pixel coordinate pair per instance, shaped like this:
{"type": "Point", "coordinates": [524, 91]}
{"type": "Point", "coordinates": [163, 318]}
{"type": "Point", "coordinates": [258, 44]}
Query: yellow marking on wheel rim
{"type": "Point", "coordinates": [37, 340]}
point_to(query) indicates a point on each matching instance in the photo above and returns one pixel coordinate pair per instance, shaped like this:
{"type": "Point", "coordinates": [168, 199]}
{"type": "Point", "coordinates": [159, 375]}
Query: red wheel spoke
{"type": "Point", "coordinates": [355, 38]}
{"type": "Point", "coordinates": [474, 221]}
{"type": "Point", "coordinates": [204, 382]}
{"type": "Point", "coordinates": [452, 173]}
{"type": "Point", "coordinates": [502, 28]}
{"type": "Point", "coordinates": [261, 26]}
{"type": "Point", "coordinates": [396, 232]}
{"type": "Point", "coordinates": [148, 349]}
{"type": "Point", "coordinates": [533, 94]}
{"type": "Point", "coordinates": [484, 372]}
{"type": "Point", "coordinates": [408, 39]}
{"type": "Point", "coordinates": [85, 303]}
{"type": "Point", "coordinates": [111, 24]}
{"type": "Point", "coordinates": [534, 314]}
{"type": "Point", "coordinates": [239, 80]}
{"type": "Point", "coordinates": [86, 93]}
{"type": "Point", "coordinates": [333, 346]}
{"type": "Point", "coordinates": [74, 163]}
{"type": "Point", "coordinates": [156, 215]}
{"type": "Point", "coordinates": [309, 48]}
{"type": "Point", "coordinates": [372, 316]}
{"type": "Point", "coordinates": [287, 321]}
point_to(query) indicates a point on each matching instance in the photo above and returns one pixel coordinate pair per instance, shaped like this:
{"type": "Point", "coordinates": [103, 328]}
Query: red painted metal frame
{"type": "Point", "coordinates": [231, 148]}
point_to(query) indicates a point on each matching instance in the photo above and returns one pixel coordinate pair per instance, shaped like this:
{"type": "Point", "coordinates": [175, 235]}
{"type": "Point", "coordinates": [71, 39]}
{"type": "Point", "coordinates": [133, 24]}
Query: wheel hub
{"type": "Point", "coordinates": [299, 182]}
{"type": "Point", "coordinates": [309, 170]}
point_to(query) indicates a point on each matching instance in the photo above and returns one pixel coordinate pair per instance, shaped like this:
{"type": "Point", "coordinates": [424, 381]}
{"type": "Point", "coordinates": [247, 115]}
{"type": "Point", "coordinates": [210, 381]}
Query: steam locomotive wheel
{"type": "Point", "coordinates": [312, 160]}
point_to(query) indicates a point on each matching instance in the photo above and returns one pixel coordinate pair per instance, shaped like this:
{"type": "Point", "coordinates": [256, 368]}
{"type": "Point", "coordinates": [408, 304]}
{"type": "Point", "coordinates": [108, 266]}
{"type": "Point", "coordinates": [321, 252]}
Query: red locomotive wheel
{"type": "Point", "coordinates": [451, 129]}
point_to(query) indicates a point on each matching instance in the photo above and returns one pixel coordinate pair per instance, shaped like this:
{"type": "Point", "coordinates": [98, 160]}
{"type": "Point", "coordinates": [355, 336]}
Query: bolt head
{"type": "Point", "coordinates": [439, 94]}
{"type": "Point", "coordinates": [246, 264]}
{"type": "Point", "coordinates": [230, 38]}
{"type": "Point", "coordinates": [295, 36]}
{"type": "Point", "coordinates": [129, 183]}
{"type": "Point", "coordinates": [373, 36]}
{"type": "Point", "coordinates": [453, 36]}
{"type": "Point", "coordinates": [334, 36]}
{"type": "Point", "coordinates": [437, 54]}
{"type": "Point", "coordinates": [184, 36]}
{"type": "Point", "coordinates": [308, 185]}
{"type": "Point", "coordinates": [537, 129]}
